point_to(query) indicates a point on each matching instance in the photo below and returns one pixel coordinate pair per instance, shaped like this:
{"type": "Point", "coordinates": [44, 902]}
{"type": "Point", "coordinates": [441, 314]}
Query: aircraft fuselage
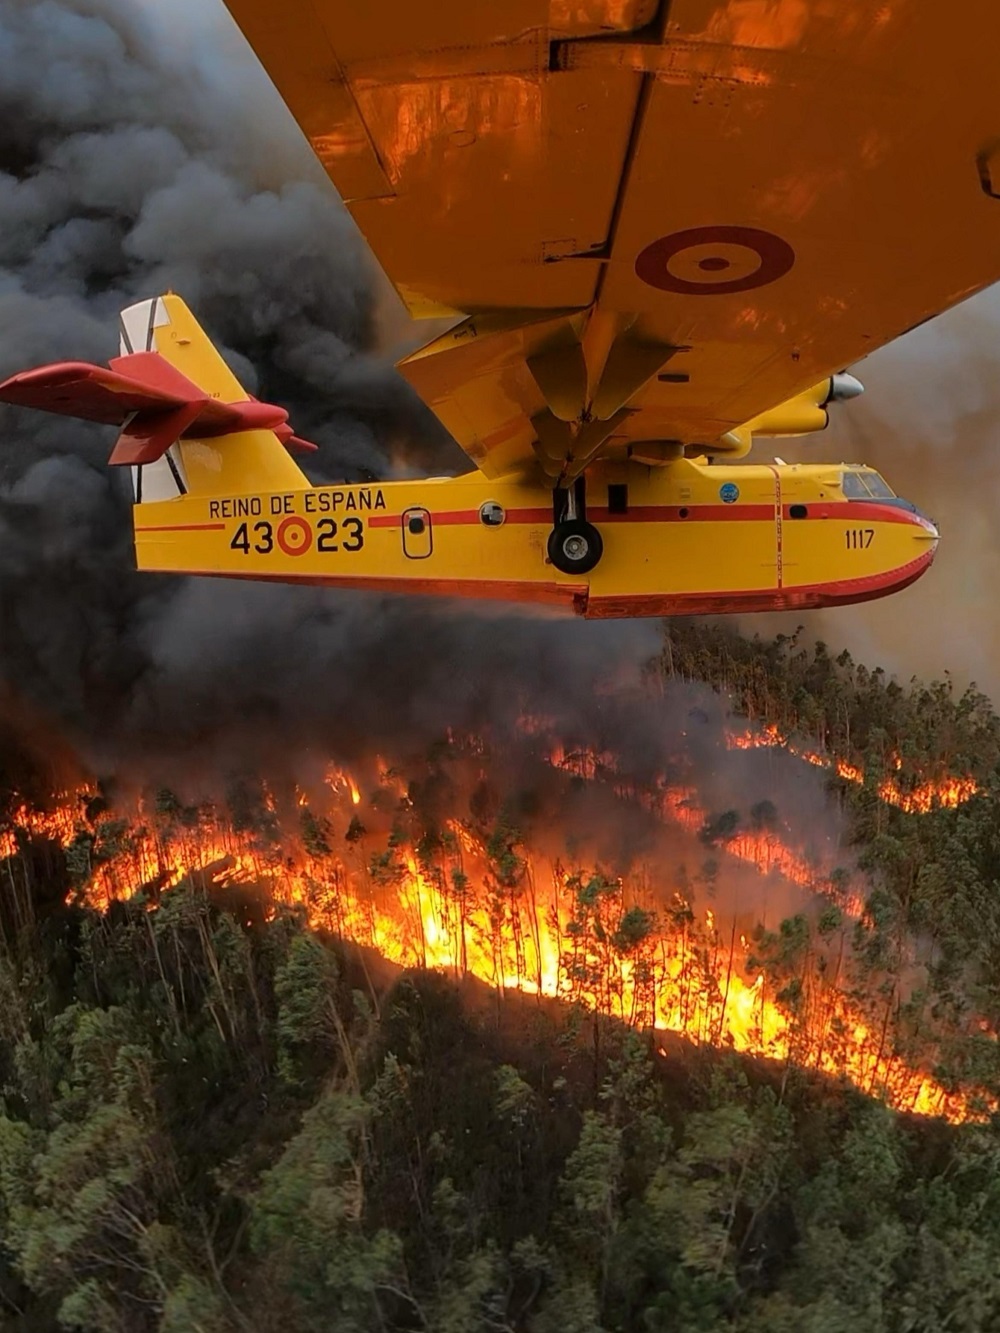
{"type": "Point", "coordinates": [683, 538]}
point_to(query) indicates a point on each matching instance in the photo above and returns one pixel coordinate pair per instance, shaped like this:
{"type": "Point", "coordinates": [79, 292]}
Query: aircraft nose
{"type": "Point", "coordinates": [917, 559]}
{"type": "Point", "coordinates": [924, 528]}
{"type": "Point", "coordinates": [926, 536]}
{"type": "Point", "coordinates": [927, 531]}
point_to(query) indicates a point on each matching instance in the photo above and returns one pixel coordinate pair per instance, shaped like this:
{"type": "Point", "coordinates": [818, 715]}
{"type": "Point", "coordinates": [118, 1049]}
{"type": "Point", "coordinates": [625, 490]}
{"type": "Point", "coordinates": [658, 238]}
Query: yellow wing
{"type": "Point", "coordinates": [660, 221]}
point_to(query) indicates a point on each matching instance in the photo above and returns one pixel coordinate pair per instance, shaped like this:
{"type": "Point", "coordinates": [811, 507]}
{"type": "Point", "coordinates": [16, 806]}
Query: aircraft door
{"type": "Point", "coordinates": [418, 539]}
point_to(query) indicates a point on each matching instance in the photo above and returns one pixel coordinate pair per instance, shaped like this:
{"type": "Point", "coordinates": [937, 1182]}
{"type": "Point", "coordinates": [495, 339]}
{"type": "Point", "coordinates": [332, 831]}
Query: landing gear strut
{"type": "Point", "coordinates": [575, 546]}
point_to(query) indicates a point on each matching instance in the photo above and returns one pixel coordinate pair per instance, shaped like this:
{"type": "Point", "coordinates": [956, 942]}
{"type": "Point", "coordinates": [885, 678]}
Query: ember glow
{"type": "Point", "coordinates": [464, 894]}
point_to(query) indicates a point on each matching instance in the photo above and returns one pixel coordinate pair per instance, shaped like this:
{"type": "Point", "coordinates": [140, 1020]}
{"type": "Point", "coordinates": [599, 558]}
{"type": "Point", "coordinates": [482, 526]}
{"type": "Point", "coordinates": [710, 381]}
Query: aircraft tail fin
{"type": "Point", "coordinates": [187, 424]}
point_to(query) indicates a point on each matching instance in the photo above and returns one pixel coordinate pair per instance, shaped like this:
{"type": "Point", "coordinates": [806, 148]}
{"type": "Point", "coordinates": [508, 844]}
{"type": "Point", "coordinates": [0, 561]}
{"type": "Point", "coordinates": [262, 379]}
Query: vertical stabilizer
{"type": "Point", "coordinates": [164, 479]}
{"type": "Point", "coordinates": [222, 464]}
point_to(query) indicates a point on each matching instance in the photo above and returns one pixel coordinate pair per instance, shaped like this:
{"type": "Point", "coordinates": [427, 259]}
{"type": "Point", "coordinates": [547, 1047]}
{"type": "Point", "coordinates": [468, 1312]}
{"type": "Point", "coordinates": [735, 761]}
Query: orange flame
{"type": "Point", "coordinates": [632, 949]}
{"type": "Point", "coordinates": [947, 793]}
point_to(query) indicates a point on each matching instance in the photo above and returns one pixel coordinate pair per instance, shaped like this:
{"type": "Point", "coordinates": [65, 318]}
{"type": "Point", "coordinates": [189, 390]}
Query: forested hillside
{"type": "Point", "coordinates": [933, 877]}
{"type": "Point", "coordinates": [219, 1113]}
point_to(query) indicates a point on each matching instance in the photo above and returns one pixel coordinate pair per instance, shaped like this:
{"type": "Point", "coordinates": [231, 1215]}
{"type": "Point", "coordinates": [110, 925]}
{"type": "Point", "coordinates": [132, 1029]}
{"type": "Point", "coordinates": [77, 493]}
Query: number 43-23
{"type": "Point", "coordinates": [260, 537]}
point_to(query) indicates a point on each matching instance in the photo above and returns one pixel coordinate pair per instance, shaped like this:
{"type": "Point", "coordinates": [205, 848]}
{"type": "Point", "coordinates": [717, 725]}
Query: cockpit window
{"type": "Point", "coordinates": [878, 487]}
{"type": "Point", "coordinates": [865, 486]}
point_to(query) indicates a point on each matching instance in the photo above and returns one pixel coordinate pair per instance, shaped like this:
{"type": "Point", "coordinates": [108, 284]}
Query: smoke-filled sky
{"type": "Point", "coordinates": [141, 148]}
{"type": "Point", "coordinates": [930, 422]}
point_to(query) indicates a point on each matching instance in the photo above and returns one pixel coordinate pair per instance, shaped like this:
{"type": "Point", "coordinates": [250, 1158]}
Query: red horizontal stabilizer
{"type": "Point", "coordinates": [214, 418]}
{"type": "Point", "coordinates": [293, 442]}
{"type": "Point", "coordinates": [153, 372]}
{"type": "Point", "coordinates": [248, 415]}
{"type": "Point", "coordinates": [93, 393]}
{"type": "Point", "coordinates": [149, 435]}
{"type": "Point", "coordinates": [154, 401]}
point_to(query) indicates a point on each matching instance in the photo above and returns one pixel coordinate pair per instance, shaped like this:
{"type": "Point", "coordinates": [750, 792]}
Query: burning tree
{"type": "Point", "coordinates": [431, 864]}
{"type": "Point", "coordinates": [235, 1086]}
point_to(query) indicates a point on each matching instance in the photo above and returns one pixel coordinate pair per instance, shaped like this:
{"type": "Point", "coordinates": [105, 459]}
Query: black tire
{"type": "Point", "coordinates": [575, 547]}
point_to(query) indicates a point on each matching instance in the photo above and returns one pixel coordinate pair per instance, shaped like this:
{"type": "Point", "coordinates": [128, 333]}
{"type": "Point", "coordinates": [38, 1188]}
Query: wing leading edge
{"type": "Point", "coordinates": [659, 223]}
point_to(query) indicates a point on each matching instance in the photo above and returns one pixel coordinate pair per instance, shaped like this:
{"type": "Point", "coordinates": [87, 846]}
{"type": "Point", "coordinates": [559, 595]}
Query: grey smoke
{"type": "Point", "coordinates": [142, 149]}
{"type": "Point", "coordinates": [930, 422]}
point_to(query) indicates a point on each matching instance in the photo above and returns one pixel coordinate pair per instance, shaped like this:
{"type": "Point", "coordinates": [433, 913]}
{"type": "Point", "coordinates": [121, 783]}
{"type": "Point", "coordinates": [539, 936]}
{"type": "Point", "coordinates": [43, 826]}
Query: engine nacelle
{"type": "Point", "coordinates": [801, 415]}
{"type": "Point", "coordinates": [806, 412]}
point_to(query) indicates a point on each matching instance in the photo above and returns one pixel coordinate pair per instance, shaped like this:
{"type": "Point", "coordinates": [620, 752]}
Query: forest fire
{"type": "Point", "coordinates": [947, 792]}
{"type": "Point", "coordinates": [455, 884]}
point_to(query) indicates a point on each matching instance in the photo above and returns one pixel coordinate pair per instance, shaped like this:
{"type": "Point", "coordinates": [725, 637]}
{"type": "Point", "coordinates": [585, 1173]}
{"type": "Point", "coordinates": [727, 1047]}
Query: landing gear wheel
{"type": "Point", "coordinates": [575, 546]}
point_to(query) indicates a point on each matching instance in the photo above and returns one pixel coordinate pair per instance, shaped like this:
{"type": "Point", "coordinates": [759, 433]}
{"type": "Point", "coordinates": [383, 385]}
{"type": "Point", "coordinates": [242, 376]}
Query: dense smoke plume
{"type": "Point", "coordinates": [143, 150]}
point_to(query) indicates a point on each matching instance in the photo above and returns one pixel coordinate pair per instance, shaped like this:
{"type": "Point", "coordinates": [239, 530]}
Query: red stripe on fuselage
{"type": "Point", "coordinates": [850, 510]}
{"type": "Point", "coordinates": [713, 513]}
{"type": "Point", "coordinates": [854, 510]}
{"type": "Point", "coordinates": [597, 514]}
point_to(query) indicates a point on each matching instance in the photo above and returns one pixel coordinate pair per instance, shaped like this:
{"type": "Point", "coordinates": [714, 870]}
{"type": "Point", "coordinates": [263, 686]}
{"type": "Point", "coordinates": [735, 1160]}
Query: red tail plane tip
{"type": "Point", "coordinates": [158, 403]}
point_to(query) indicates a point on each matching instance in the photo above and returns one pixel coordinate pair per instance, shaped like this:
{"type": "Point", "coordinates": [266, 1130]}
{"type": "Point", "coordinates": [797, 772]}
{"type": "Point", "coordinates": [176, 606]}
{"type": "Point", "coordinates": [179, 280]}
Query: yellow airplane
{"type": "Point", "coordinates": [659, 227]}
